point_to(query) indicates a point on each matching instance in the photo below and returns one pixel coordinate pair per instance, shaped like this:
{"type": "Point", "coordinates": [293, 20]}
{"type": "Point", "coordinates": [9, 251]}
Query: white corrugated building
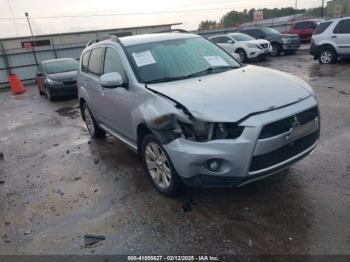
{"type": "Point", "coordinates": [16, 54]}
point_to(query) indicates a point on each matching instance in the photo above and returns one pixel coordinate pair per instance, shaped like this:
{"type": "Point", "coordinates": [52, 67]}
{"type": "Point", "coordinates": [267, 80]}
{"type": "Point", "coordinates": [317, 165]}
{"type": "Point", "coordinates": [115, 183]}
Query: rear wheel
{"type": "Point", "coordinates": [327, 56]}
{"type": "Point", "coordinates": [276, 49]}
{"type": "Point", "coordinates": [94, 130]}
{"type": "Point", "coordinates": [159, 167]}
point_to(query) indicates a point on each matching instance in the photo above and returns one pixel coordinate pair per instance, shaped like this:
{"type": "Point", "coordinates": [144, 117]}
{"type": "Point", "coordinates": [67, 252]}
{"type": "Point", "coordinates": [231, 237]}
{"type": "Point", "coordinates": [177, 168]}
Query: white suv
{"type": "Point", "coordinates": [246, 46]}
{"type": "Point", "coordinates": [331, 40]}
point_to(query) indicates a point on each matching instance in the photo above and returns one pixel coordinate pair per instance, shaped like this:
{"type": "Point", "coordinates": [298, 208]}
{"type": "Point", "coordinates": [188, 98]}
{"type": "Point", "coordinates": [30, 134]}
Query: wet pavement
{"type": "Point", "coordinates": [57, 185]}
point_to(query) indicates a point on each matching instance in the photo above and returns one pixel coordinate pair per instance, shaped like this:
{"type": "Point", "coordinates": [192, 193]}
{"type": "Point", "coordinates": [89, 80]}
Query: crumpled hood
{"type": "Point", "coordinates": [232, 95]}
{"type": "Point", "coordinates": [65, 76]}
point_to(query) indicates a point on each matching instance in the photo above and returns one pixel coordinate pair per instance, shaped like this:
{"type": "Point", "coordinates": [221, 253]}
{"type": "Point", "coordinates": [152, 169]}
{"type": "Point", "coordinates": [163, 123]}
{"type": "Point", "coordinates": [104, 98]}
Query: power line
{"type": "Point", "coordinates": [142, 13]}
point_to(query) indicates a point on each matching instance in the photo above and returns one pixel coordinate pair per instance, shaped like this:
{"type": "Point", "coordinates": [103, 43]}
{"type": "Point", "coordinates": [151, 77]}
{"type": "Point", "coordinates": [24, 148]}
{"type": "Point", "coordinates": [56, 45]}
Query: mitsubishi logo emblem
{"type": "Point", "coordinates": [296, 122]}
{"type": "Point", "coordinates": [295, 125]}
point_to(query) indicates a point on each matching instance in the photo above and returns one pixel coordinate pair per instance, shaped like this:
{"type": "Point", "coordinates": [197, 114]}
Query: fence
{"type": "Point", "coordinates": [22, 62]}
{"type": "Point", "coordinates": [16, 54]}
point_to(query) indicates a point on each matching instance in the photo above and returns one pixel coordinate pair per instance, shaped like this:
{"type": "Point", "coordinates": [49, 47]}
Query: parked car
{"type": "Point", "coordinates": [286, 43]}
{"type": "Point", "coordinates": [331, 40]}
{"type": "Point", "coordinates": [304, 29]}
{"type": "Point", "coordinates": [193, 113]}
{"type": "Point", "coordinates": [57, 77]}
{"type": "Point", "coordinates": [246, 46]}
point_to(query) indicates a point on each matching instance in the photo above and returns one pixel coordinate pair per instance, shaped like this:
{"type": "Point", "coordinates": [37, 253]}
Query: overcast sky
{"type": "Point", "coordinates": [196, 11]}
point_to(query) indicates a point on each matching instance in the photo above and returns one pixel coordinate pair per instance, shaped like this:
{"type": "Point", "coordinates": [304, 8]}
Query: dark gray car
{"type": "Point", "coordinates": [286, 43]}
{"type": "Point", "coordinates": [57, 77]}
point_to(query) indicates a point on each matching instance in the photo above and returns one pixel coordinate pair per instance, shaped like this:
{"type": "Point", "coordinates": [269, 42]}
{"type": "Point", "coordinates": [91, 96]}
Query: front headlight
{"type": "Point", "coordinates": [204, 131]}
{"type": "Point", "coordinates": [52, 82]}
{"type": "Point", "coordinates": [252, 46]}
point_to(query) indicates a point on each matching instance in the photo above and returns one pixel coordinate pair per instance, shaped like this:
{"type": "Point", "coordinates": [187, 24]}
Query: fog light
{"type": "Point", "coordinates": [213, 165]}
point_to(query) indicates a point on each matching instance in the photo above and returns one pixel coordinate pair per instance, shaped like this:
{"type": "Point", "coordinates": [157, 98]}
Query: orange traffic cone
{"type": "Point", "coordinates": [16, 84]}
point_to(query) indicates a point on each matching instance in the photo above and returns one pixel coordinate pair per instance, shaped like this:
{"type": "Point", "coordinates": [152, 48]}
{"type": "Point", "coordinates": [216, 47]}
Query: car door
{"type": "Point", "coordinates": [92, 83]}
{"type": "Point", "coordinates": [341, 36]}
{"type": "Point", "coordinates": [227, 43]}
{"type": "Point", "coordinates": [118, 101]}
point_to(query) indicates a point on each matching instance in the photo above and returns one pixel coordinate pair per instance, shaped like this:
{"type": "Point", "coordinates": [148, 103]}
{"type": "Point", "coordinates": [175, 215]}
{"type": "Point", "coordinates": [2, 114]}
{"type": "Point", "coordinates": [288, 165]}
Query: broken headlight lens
{"type": "Point", "coordinates": [203, 131]}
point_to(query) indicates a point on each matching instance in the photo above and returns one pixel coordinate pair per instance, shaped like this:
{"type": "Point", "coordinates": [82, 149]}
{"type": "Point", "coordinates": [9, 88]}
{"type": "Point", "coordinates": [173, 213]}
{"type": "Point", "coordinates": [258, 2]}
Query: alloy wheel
{"type": "Point", "coordinates": [88, 120]}
{"type": "Point", "coordinates": [158, 165]}
{"type": "Point", "coordinates": [326, 57]}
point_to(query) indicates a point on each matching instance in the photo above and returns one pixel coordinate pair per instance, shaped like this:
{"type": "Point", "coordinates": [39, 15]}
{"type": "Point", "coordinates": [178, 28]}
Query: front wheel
{"type": "Point", "coordinates": [327, 56]}
{"type": "Point", "coordinates": [242, 54]}
{"type": "Point", "coordinates": [49, 95]}
{"type": "Point", "coordinates": [159, 167]}
{"type": "Point", "coordinates": [276, 49]}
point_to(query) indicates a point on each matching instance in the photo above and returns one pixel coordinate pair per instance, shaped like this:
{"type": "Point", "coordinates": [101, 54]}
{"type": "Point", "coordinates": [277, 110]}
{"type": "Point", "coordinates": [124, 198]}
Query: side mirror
{"type": "Point", "coordinates": [111, 80]}
{"type": "Point", "coordinates": [236, 57]}
{"type": "Point", "coordinates": [230, 41]}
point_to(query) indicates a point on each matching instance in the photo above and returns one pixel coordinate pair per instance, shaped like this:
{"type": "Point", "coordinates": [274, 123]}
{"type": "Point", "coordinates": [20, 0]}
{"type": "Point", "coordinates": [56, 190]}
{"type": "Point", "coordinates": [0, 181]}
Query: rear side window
{"type": "Point", "coordinates": [95, 61]}
{"type": "Point", "coordinates": [299, 26]}
{"type": "Point", "coordinates": [113, 63]}
{"type": "Point", "coordinates": [305, 25]}
{"type": "Point", "coordinates": [221, 39]}
{"type": "Point", "coordinates": [322, 27]}
{"type": "Point", "coordinates": [85, 61]}
{"type": "Point", "coordinates": [343, 27]}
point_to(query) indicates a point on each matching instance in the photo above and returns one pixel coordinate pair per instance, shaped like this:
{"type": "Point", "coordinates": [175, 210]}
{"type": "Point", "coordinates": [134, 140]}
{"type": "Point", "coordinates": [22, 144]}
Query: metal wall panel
{"type": "Point", "coordinates": [2, 63]}
{"type": "Point", "coordinates": [25, 73]}
{"type": "Point", "coordinates": [3, 76]}
{"type": "Point", "coordinates": [73, 53]}
{"type": "Point", "coordinates": [21, 61]}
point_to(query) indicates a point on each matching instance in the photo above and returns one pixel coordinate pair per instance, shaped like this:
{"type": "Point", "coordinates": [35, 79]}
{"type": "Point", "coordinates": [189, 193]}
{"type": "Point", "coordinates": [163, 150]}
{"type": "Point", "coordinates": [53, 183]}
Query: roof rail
{"type": "Point", "coordinates": [111, 37]}
{"type": "Point", "coordinates": [173, 30]}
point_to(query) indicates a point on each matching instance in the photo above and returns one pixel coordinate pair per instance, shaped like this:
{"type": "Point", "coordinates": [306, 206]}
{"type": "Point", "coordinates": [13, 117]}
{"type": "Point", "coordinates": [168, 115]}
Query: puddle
{"type": "Point", "coordinates": [317, 70]}
{"type": "Point", "coordinates": [68, 111]}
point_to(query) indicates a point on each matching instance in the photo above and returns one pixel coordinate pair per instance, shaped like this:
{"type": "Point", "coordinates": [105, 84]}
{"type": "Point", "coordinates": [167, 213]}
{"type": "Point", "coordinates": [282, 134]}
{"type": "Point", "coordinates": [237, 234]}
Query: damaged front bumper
{"type": "Point", "coordinates": [249, 157]}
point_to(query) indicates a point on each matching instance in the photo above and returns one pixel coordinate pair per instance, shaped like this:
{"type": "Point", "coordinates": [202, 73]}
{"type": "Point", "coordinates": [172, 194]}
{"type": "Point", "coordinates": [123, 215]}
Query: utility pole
{"type": "Point", "coordinates": [322, 11]}
{"type": "Point", "coordinates": [33, 39]}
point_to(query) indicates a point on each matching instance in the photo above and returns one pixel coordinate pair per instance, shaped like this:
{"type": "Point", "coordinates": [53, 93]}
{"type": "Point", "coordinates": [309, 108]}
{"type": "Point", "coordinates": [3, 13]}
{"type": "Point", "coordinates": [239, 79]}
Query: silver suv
{"type": "Point", "coordinates": [331, 40]}
{"type": "Point", "coordinates": [193, 113]}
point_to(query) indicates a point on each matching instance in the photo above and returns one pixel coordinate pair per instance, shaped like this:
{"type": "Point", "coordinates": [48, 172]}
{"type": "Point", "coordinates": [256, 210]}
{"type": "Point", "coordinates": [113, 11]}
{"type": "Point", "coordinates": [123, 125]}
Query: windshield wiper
{"type": "Point", "coordinates": [211, 69]}
{"type": "Point", "coordinates": [208, 70]}
{"type": "Point", "coordinates": [165, 79]}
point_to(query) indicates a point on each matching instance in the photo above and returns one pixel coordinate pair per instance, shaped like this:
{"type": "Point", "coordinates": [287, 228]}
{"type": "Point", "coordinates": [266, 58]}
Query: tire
{"type": "Point", "coordinates": [159, 167]}
{"type": "Point", "coordinates": [93, 128]}
{"type": "Point", "coordinates": [276, 49]}
{"type": "Point", "coordinates": [327, 55]}
{"type": "Point", "coordinates": [49, 95]}
{"type": "Point", "coordinates": [242, 55]}
{"type": "Point", "coordinates": [40, 92]}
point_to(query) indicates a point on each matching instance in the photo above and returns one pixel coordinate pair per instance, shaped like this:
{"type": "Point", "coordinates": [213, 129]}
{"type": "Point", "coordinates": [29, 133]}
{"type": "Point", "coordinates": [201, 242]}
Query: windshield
{"type": "Point", "coordinates": [61, 66]}
{"type": "Point", "coordinates": [270, 31]}
{"type": "Point", "coordinates": [175, 59]}
{"type": "Point", "coordinates": [242, 37]}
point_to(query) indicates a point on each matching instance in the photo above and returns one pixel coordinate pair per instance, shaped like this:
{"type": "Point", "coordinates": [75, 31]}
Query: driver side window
{"type": "Point", "coordinates": [113, 63]}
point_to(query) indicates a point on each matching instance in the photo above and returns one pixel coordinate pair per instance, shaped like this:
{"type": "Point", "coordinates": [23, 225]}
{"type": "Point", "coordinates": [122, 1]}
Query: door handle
{"type": "Point", "coordinates": [334, 36]}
